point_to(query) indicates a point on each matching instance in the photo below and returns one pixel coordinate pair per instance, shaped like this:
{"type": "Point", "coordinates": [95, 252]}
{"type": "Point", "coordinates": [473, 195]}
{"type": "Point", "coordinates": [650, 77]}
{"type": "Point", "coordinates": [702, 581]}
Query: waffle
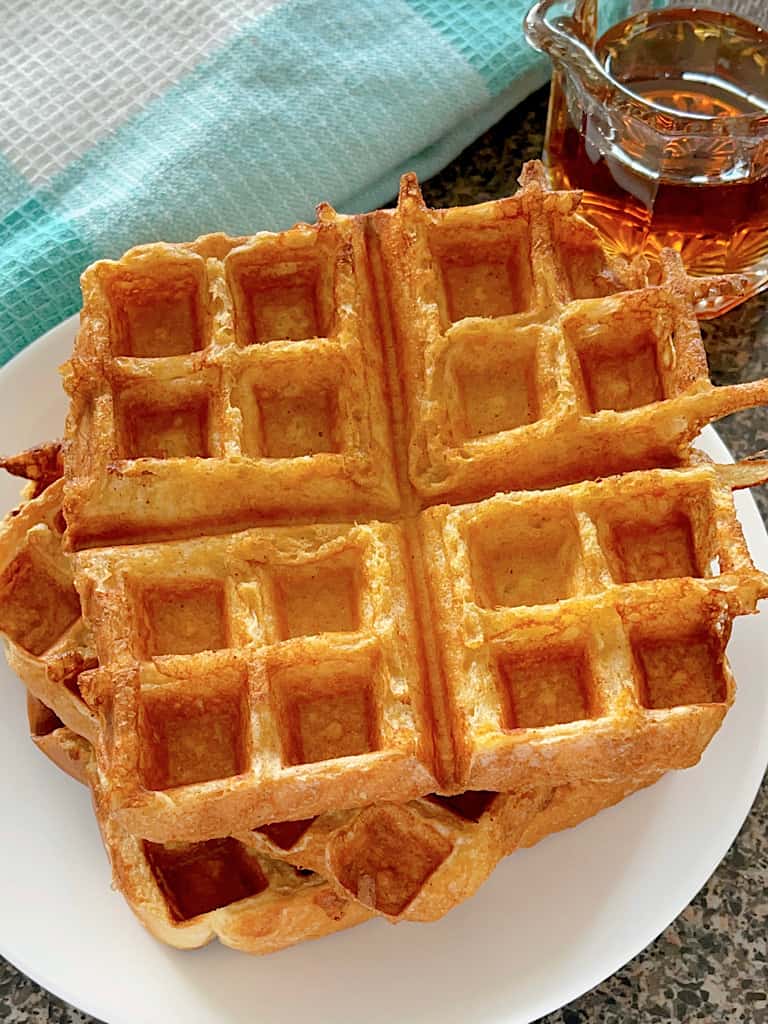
{"type": "Point", "coordinates": [325, 386]}
{"type": "Point", "coordinates": [365, 367]}
{"type": "Point", "coordinates": [259, 371]}
{"type": "Point", "coordinates": [187, 894]}
{"type": "Point", "coordinates": [417, 861]}
{"type": "Point", "coordinates": [445, 846]}
{"type": "Point", "coordinates": [46, 642]}
{"type": "Point", "coordinates": [580, 637]}
{"type": "Point", "coordinates": [528, 359]}
{"type": "Point", "coordinates": [404, 862]}
{"type": "Point", "coordinates": [434, 852]}
{"type": "Point", "coordinates": [365, 598]}
{"type": "Point", "coordinates": [430, 853]}
{"type": "Point", "coordinates": [583, 629]}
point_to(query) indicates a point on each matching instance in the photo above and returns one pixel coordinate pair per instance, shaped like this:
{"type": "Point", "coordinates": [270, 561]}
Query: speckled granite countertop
{"type": "Point", "coordinates": [711, 964]}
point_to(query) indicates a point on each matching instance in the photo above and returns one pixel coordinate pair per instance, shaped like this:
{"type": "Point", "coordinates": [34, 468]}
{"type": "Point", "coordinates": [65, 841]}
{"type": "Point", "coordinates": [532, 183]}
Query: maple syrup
{"type": "Point", "coordinates": [694, 193]}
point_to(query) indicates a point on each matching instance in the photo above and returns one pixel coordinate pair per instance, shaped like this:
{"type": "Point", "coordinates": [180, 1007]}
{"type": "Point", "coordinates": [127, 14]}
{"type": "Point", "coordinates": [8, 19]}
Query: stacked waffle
{"type": "Point", "coordinates": [380, 551]}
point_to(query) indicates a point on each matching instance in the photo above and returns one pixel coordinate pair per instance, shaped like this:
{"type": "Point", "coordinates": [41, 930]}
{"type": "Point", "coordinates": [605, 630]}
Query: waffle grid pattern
{"type": "Point", "coordinates": [523, 350]}
{"type": "Point", "coordinates": [559, 615]}
{"type": "Point", "coordinates": [268, 653]}
{"type": "Point", "coordinates": [265, 889]}
{"type": "Point", "coordinates": [260, 368]}
{"type": "Point", "coordinates": [335, 370]}
{"type": "Point", "coordinates": [348, 863]}
{"type": "Point", "coordinates": [560, 659]}
{"type": "Point", "coordinates": [189, 893]}
{"type": "Point", "coordinates": [266, 363]}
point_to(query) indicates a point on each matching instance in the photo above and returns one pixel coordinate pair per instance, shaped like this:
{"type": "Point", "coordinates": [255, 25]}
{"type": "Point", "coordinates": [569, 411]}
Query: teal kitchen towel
{"type": "Point", "coordinates": [165, 119]}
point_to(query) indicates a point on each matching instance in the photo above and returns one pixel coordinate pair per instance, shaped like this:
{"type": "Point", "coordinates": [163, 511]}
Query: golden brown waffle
{"type": "Point", "coordinates": [581, 636]}
{"type": "Point", "coordinates": [364, 367]}
{"type": "Point", "coordinates": [258, 371]}
{"type": "Point", "coordinates": [416, 861]}
{"type": "Point", "coordinates": [341, 371]}
{"type": "Point", "coordinates": [46, 641]}
{"type": "Point", "coordinates": [237, 667]}
{"type": "Point", "coordinates": [405, 862]}
{"type": "Point", "coordinates": [526, 358]}
{"type": "Point", "coordinates": [432, 853]}
{"type": "Point", "coordinates": [583, 629]}
{"type": "Point", "coordinates": [412, 861]}
{"type": "Point", "coordinates": [360, 643]}
{"type": "Point", "coordinates": [187, 894]}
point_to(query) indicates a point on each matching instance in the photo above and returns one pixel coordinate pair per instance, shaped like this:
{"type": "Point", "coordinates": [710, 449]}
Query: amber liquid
{"type": "Point", "coordinates": [714, 214]}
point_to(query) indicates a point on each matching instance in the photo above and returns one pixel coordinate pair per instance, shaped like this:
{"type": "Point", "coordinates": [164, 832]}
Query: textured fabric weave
{"type": "Point", "coordinates": [162, 119]}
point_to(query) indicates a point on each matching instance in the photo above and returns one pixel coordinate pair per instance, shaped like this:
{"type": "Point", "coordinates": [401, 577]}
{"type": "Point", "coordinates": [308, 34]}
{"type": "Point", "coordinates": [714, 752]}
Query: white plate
{"type": "Point", "coordinates": [551, 923]}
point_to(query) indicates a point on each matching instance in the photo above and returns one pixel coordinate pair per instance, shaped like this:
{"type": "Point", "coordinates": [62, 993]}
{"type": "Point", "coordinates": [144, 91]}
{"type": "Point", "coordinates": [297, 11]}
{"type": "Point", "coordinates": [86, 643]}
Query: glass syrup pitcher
{"type": "Point", "coordinates": [659, 112]}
